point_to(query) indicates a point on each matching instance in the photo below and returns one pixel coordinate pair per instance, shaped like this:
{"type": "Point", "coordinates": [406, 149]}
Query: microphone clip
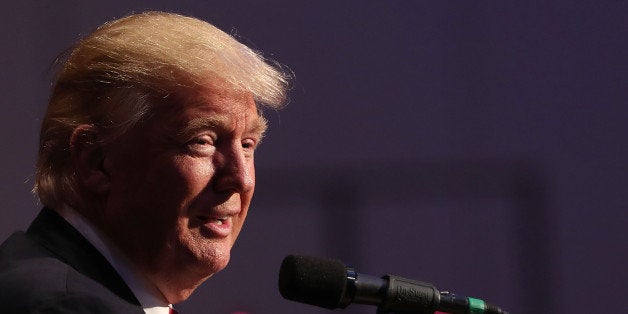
{"type": "Point", "coordinates": [407, 296]}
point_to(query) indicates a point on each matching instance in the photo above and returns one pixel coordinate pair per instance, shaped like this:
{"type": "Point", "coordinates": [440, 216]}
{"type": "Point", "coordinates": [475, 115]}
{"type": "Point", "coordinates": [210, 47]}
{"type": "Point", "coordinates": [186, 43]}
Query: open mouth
{"type": "Point", "coordinates": [218, 221]}
{"type": "Point", "coordinates": [214, 227]}
{"type": "Point", "coordinates": [214, 220]}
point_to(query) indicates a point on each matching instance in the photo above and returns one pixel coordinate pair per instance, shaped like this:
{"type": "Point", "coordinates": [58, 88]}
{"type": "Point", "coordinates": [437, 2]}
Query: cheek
{"type": "Point", "coordinates": [180, 177]}
{"type": "Point", "coordinates": [160, 192]}
{"type": "Point", "coordinates": [192, 176]}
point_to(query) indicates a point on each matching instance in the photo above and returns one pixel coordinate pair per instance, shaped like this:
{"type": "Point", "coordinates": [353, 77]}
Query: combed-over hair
{"type": "Point", "coordinates": [114, 77]}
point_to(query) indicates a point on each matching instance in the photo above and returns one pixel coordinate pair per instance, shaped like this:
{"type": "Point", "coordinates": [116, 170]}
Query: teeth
{"type": "Point", "coordinates": [218, 221]}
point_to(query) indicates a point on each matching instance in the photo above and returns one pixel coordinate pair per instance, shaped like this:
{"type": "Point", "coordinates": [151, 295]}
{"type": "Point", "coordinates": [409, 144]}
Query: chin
{"type": "Point", "coordinates": [213, 260]}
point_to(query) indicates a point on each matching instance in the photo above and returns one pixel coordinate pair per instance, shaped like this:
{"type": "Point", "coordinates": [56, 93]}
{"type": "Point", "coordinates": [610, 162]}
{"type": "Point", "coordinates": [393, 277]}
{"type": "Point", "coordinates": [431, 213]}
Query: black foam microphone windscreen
{"type": "Point", "coordinates": [314, 281]}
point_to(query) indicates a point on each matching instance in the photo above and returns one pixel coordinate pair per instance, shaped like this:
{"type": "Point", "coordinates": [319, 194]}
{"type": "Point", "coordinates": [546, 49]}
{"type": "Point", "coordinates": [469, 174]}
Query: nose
{"type": "Point", "coordinates": [235, 172]}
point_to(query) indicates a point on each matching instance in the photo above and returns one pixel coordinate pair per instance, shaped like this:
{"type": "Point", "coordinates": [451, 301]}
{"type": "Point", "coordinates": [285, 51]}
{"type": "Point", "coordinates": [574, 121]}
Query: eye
{"type": "Point", "coordinates": [200, 144]}
{"type": "Point", "coordinates": [203, 140]}
{"type": "Point", "coordinates": [249, 144]}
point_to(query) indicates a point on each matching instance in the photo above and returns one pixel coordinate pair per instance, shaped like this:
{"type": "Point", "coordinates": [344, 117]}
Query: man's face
{"type": "Point", "coordinates": [181, 185]}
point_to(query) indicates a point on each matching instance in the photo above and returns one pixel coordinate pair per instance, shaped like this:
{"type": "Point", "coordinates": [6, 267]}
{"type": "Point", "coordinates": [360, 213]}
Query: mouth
{"type": "Point", "coordinates": [214, 227]}
{"type": "Point", "coordinates": [218, 221]}
{"type": "Point", "coordinates": [212, 219]}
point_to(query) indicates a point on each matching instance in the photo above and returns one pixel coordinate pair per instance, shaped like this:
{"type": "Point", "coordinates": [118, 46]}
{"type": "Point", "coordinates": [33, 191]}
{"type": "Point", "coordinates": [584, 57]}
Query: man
{"type": "Point", "coordinates": [145, 168]}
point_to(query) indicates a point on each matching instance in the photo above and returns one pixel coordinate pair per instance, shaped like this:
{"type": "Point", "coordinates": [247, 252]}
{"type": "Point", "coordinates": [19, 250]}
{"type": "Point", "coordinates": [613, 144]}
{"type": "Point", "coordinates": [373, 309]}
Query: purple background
{"type": "Point", "coordinates": [479, 146]}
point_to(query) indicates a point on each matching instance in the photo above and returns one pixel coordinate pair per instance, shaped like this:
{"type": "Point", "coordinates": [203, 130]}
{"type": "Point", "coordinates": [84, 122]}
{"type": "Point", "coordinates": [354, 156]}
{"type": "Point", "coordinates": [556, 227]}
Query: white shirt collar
{"type": "Point", "coordinates": [150, 298]}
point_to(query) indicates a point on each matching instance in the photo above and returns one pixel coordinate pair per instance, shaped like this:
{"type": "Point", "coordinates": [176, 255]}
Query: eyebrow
{"type": "Point", "coordinates": [257, 125]}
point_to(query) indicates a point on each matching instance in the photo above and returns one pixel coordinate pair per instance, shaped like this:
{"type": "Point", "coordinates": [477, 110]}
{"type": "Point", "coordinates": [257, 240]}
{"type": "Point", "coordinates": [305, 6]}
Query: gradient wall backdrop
{"type": "Point", "coordinates": [479, 146]}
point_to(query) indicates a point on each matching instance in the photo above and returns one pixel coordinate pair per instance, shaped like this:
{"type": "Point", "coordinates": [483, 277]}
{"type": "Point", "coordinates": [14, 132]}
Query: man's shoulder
{"type": "Point", "coordinates": [34, 280]}
{"type": "Point", "coordinates": [47, 285]}
{"type": "Point", "coordinates": [19, 246]}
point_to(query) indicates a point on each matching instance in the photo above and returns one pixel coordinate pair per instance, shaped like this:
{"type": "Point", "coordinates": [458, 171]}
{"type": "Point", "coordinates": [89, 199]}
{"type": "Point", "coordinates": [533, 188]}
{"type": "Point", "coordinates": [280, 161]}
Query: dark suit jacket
{"type": "Point", "coordinates": [52, 268]}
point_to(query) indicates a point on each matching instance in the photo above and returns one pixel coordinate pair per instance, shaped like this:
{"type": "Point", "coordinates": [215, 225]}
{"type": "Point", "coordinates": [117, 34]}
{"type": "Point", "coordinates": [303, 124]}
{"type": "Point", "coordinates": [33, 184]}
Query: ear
{"type": "Point", "coordinates": [88, 157]}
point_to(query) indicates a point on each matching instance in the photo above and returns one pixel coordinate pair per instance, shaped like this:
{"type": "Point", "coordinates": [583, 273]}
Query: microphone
{"type": "Point", "coordinates": [330, 284]}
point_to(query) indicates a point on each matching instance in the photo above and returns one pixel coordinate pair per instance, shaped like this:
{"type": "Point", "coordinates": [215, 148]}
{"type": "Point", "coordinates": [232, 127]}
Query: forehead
{"type": "Point", "coordinates": [221, 98]}
{"type": "Point", "coordinates": [221, 105]}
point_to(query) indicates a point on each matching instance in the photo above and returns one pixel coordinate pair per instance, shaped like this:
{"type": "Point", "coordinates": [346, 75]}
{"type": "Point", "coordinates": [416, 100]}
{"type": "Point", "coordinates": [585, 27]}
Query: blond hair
{"type": "Point", "coordinates": [115, 77]}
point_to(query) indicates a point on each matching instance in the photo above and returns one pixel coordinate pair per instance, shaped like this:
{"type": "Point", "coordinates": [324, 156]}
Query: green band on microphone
{"type": "Point", "coordinates": [476, 306]}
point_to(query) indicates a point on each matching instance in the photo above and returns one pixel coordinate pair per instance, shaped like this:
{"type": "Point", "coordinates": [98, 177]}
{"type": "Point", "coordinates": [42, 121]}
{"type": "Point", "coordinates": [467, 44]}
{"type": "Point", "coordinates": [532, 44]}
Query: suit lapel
{"type": "Point", "coordinates": [58, 236]}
